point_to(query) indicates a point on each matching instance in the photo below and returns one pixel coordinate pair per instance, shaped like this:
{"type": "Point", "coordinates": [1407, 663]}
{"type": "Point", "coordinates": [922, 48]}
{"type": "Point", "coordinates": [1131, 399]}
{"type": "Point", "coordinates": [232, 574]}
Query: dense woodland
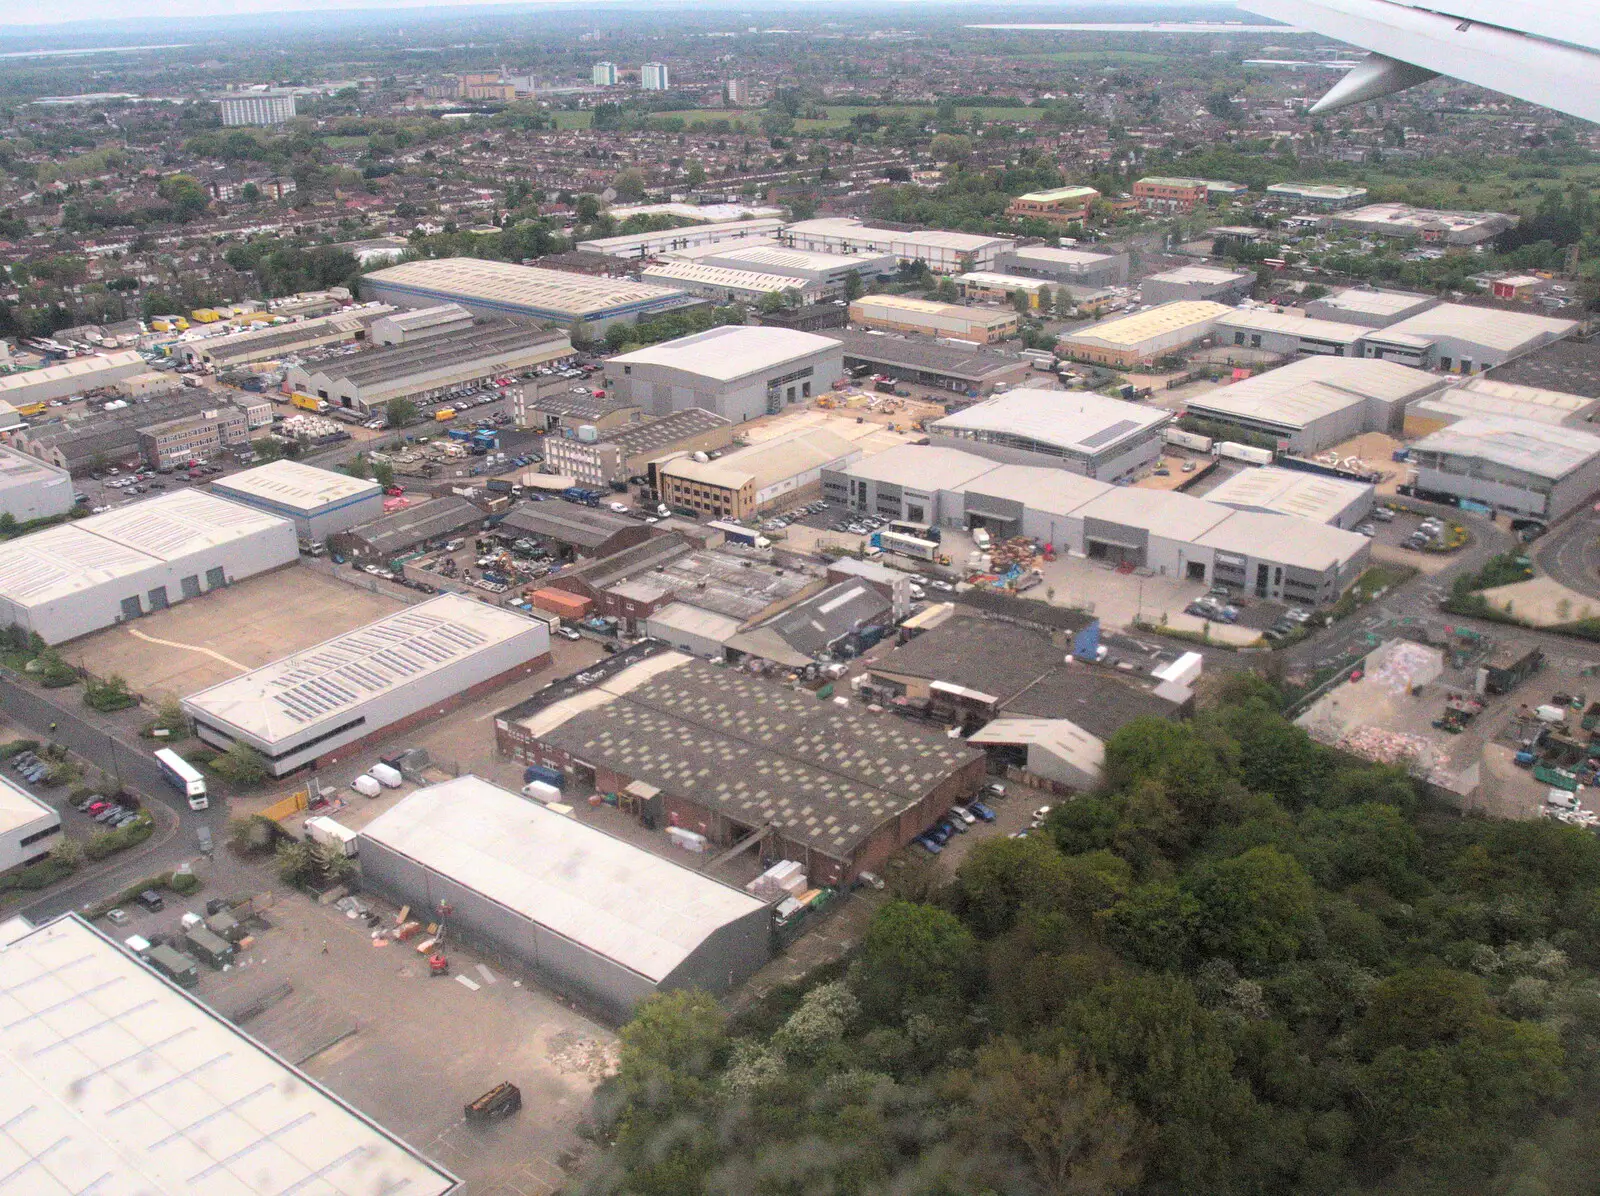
{"type": "Point", "coordinates": [1249, 965]}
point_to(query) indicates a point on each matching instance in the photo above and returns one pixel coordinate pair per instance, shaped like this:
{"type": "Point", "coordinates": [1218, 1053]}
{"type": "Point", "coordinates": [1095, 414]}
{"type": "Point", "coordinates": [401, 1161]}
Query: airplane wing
{"type": "Point", "coordinates": [1543, 51]}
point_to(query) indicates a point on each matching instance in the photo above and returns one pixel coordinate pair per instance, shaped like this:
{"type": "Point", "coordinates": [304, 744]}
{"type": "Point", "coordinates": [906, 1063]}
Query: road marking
{"type": "Point", "coordinates": [150, 639]}
{"type": "Point", "coordinates": [465, 983]}
{"type": "Point", "coordinates": [488, 976]}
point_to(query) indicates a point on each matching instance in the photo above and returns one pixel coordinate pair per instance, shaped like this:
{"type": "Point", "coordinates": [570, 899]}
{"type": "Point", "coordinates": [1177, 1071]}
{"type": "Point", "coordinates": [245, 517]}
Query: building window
{"type": "Point", "coordinates": [29, 840]}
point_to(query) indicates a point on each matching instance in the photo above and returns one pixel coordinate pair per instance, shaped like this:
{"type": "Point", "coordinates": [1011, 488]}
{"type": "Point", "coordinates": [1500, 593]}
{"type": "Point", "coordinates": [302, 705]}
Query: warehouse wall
{"type": "Point", "coordinates": [567, 966]}
{"type": "Point", "coordinates": [729, 956]}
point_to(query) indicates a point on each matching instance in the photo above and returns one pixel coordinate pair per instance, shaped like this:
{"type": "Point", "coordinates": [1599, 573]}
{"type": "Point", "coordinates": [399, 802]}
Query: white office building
{"type": "Point", "coordinates": [74, 578]}
{"type": "Point", "coordinates": [653, 77]}
{"type": "Point", "coordinates": [324, 703]}
{"type": "Point", "coordinates": [257, 108]}
{"type": "Point", "coordinates": [317, 501]}
{"type": "Point", "coordinates": [738, 371]}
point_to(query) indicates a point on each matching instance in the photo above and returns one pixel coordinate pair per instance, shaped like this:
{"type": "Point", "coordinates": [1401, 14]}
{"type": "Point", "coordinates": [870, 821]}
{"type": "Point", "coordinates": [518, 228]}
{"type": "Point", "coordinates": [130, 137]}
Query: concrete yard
{"type": "Point", "coordinates": [206, 640]}
{"type": "Point", "coordinates": [409, 1049]}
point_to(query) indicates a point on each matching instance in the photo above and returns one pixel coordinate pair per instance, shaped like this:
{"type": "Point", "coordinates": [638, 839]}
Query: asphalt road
{"type": "Point", "coordinates": [121, 757]}
{"type": "Point", "coordinates": [1570, 553]}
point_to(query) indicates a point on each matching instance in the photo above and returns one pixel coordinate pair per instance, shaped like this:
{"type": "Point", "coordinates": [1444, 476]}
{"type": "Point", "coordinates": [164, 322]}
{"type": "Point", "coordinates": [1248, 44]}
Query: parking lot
{"type": "Point", "coordinates": [205, 640]}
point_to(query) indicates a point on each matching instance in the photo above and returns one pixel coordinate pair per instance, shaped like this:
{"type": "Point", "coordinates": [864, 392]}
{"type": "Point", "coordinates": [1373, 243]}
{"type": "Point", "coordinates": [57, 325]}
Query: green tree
{"type": "Point", "coordinates": [383, 474]}
{"type": "Point", "coordinates": [1255, 909]}
{"type": "Point", "coordinates": [400, 413]}
{"type": "Point", "coordinates": [295, 862]}
{"type": "Point", "coordinates": [629, 184]}
{"type": "Point", "coordinates": [914, 958]}
{"type": "Point", "coordinates": [950, 147]}
{"type": "Point", "coordinates": [1078, 1138]}
{"type": "Point", "coordinates": [853, 287]}
{"type": "Point", "coordinates": [243, 765]}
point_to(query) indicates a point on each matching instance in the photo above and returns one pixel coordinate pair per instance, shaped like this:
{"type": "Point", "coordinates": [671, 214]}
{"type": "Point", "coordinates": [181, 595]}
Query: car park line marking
{"type": "Point", "coordinates": [150, 639]}
{"type": "Point", "coordinates": [465, 983]}
{"type": "Point", "coordinates": [488, 976]}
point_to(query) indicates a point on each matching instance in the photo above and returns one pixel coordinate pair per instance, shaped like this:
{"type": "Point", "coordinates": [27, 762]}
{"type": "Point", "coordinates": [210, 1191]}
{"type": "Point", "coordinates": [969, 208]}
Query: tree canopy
{"type": "Point", "coordinates": [1247, 964]}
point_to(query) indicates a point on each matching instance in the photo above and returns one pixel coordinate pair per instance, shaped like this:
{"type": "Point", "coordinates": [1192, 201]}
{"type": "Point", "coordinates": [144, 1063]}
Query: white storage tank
{"type": "Point", "coordinates": [588, 433]}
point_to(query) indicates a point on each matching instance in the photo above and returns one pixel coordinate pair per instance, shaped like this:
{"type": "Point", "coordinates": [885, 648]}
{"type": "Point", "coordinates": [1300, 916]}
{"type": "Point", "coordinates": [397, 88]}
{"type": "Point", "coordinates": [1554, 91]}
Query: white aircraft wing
{"type": "Point", "coordinates": [1543, 51]}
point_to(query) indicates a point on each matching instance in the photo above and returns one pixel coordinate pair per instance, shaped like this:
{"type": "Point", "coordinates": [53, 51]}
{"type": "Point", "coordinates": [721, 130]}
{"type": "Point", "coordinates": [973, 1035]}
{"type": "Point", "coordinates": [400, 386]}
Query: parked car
{"type": "Point", "coordinates": [929, 845]}
{"type": "Point", "coordinates": [151, 900]}
{"type": "Point", "coordinates": [117, 917]}
{"type": "Point", "coordinates": [568, 633]}
{"type": "Point", "coordinates": [981, 810]}
{"type": "Point", "coordinates": [994, 789]}
{"type": "Point", "coordinates": [962, 813]}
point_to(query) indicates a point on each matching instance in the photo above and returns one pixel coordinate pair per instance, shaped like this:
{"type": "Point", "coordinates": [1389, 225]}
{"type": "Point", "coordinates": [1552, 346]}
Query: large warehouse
{"type": "Point", "coordinates": [637, 246]}
{"type": "Point", "coordinates": [730, 284]}
{"type": "Point", "coordinates": [1126, 341]}
{"type": "Point", "coordinates": [69, 580]}
{"type": "Point", "coordinates": [114, 1080]}
{"type": "Point", "coordinates": [1428, 225]}
{"type": "Point", "coordinates": [1082, 268]}
{"type": "Point", "coordinates": [32, 489]}
{"type": "Point", "coordinates": [949, 321]}
{"type": "Point", "coordinates": [266, 344]}
{"type": "Point", "coordinates": [1468, 340]}
{"type": "Point", "coordinates": [1197, 282]}
{"type": "Point", "coordinates": [324, 703]}
{"type": "Point", "coordinates": [596, 917]}
{"type": "Point", "coordinates": [1275, 491]}
{"type": "Point", "coordinates": [1085, 433]}
{"type": "Point", "coordinates": [1490, 397]}
{"type": "Point", "coordinates": [1369, 306]}
{"type": "Point", "coordinates": [828, 271]}
{"type": "Point", "coordinates": [317, 501]}
{"type": "Point", "coordinates": [1269, 554]}
{"type": "Point", "coordinates": [738, 371]}
{"type": "Point", "coordinates": [966, 370]}
{"type": "Point", "coordinates": [498, 289]}
{"type": "Point", "coordinates": [1515, 465]}
{"type": "Point", "coordinates": [26, 387]}
{"type": "Point", "coordinates": [942, 252]}
{"type": "Point", "coordinates": [1318, 401]}
{"type": "Point", "coordinates": [1277, 332]}
{"type": "Point", "coordinates": [727, 754]}
{"type": "Point", "coordinates": [429, 368]}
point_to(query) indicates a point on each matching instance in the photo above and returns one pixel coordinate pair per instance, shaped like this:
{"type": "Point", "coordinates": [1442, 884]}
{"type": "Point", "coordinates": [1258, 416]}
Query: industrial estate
{"type": "Point", "coordinates": [838, 608]}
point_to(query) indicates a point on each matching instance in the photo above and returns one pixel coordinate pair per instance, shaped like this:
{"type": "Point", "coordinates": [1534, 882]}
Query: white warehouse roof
{"type": "Point", "coordinates": [1313, 387]}
{"type": "Point", "coordinates": [18, 808]}
{"type": "Point", "coordinates": [520, 289]}
{"type": "Point", "coordinates": [1492, 327]}
{"type": "Point", "coordinates": [1256, 319]}
{"type": "Point", "coordinates": [87, 368]}
{"type": "Point", "coordinates": [1374, 302]}
{"type": "Point", "coordinates": [623, 902]}
{"type": "Point", "coordinates": [115, 1082]}
{"type": "Point", "coordinates": [924, 468]}
{"type": "Point", "coordinates": [732, 351]}
{"type": "Point", "coordinates": [325, 683]}
{"type": "Point", "coordinates": [297, 486]}
{"type": "Point", "coordinates": [1285, 539]}
{"type": "Point", "coordinates": [1289, 492]}
{"type": "Point", "coordinates": [1520, 444]}
{"type": "Point", "coordinates": [1486, 396]}
{"type": "Point", "coordinates": [49, 565]}
{"type": "Point", "coordinates": [1074, 420]}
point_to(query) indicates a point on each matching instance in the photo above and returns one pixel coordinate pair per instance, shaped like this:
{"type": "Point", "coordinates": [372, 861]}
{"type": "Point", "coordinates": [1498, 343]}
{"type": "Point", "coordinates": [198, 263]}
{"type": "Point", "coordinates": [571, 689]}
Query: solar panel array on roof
{"type": "Point", "coordinates": [369, 661]}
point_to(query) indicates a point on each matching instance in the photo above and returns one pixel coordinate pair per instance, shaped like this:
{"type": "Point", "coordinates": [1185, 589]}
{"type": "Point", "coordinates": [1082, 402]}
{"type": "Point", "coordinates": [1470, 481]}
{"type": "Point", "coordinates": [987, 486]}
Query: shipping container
{"type": "Point", "coordinates": [174, 965]}
{"type": "Point", "coordinates": [209, 948]}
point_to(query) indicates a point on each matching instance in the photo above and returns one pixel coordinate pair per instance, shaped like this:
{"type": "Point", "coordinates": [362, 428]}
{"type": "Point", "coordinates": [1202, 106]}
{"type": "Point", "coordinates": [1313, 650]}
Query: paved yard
{"type": "Point", "coordinates": [209, 639]}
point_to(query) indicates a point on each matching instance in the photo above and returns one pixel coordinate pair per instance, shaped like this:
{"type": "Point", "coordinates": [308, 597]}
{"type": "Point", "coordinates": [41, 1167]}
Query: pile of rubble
{"type": "Point", "coordinates": [1385, 747]}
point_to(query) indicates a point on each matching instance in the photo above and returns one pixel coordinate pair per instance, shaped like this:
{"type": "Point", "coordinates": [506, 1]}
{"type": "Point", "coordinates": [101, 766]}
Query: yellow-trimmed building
{"type": "Point", "coordinates": [1123, 342]}
{"type": "Point", "coordinates": [1061, 206]}
{"type": "Point", "coordinates": [900, 313]}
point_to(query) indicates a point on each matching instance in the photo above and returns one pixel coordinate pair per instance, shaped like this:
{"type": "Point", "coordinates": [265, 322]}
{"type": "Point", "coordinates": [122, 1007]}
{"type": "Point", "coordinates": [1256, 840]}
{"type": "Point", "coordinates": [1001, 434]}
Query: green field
{"type": "Point", "coordinates": [345, 142]}
{"type": "Point", "coordinates": [574, 120]}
